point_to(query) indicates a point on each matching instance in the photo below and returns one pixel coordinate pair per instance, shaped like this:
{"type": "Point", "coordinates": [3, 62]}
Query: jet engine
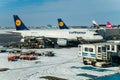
{"type": "Point", "coordinates": [22, 40]}
{"type": "Point", "coordinates": [62, 42]}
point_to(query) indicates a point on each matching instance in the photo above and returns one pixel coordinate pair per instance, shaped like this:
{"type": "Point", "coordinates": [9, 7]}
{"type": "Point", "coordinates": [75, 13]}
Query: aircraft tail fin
{"type": "Point", "coordinates": [109, 25]}
{"type": "Point", "coordinates": [19, 24]}
{"type": "Point", "coordinates": [61, 24]}
{"type": "Point", "coordinates": [94, 23]}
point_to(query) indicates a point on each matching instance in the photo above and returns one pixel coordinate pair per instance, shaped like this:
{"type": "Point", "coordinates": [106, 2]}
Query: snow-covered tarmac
{"type": "Point", "coordinates": [65, 64]}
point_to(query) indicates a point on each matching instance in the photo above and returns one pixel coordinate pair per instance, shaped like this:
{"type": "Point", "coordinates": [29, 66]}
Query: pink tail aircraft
{"type": "Point", "coordinates": [109, 25]}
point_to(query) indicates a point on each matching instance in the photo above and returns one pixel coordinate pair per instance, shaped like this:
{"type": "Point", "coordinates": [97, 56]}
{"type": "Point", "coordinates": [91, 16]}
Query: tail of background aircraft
{"type": "Point", "coordinates": [61, 24]}
{"type": "Point", "coordinates": [109, 25]}
{"type": "Point", "coordinates": [19, 24]}
{"type": "Point", "coordinates": [49, 26]}
{"type": "Point", "coordinates": [95, 24]}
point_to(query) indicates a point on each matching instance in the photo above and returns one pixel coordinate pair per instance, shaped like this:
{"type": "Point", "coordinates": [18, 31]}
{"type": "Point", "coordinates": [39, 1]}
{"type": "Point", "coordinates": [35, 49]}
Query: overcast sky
{"type": "Point", "coordinates": [73, 12]}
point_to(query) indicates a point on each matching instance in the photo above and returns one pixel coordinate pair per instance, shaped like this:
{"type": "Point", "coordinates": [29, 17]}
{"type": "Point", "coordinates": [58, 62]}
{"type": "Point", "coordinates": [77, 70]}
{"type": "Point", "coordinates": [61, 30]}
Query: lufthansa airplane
{"type": "Point", "coordinates": [62, 36]}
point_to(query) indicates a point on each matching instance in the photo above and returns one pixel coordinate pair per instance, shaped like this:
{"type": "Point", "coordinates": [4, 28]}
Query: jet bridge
{"type": "Point", "coordinates": [109, 34]}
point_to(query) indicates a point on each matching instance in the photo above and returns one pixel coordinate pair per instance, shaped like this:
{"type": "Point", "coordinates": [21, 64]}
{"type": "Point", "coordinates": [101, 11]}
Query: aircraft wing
{"type": "Point", "coordinates": [14, 32]}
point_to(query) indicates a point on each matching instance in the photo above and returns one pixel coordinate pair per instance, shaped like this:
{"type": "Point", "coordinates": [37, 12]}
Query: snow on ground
{"type": "Point", "coordinates": [65, 64]}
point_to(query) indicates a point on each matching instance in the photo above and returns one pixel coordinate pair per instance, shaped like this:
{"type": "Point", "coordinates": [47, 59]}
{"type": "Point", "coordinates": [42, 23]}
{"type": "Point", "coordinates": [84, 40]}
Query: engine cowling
{"type": "Point", "coordinates": [22, 40]}
{"type": "Point", "coordinates": [62, 42]}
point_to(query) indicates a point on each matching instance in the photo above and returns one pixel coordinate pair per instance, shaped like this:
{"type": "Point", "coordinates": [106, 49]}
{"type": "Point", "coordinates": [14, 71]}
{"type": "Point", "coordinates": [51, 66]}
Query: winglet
{"type": "Point", "coordinates": [61, 24]}
{"type": "Point", "coordinates": [19, 24]}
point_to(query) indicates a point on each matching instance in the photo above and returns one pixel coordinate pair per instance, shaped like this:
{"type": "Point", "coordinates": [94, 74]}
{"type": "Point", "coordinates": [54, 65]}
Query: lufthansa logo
{"type": "Point", "coordinates": [18, 22]}
{"type": "Point", "coordinates": [61, 24]}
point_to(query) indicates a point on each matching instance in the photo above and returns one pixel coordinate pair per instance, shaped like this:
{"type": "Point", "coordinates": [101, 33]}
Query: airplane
{"type": "Point", "coordinates": [109, 25]}
{"type": "Point", "coordinates": [62, 25]}
{"type": "Point", "coordinates": [62, 36]}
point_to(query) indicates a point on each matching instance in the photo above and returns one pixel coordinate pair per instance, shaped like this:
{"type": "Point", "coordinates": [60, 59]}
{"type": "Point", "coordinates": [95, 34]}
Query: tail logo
{"type": "Point", "coordinates": [61, 24]}
{"type": "Point", "coordinates": [18, 22]}
{"type": "Point", "coordinates": [109, 26]}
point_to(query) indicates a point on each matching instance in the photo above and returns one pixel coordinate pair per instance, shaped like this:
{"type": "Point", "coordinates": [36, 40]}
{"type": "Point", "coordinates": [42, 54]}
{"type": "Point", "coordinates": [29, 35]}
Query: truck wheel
{"type": "Point", "coordinates": [85, 62]}
{"type": "Point", "coordinates": [93, 63]}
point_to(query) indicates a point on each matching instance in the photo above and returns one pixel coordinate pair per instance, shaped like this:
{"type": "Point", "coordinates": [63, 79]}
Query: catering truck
{"type": "Point", "coordinates": [99, 54]}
